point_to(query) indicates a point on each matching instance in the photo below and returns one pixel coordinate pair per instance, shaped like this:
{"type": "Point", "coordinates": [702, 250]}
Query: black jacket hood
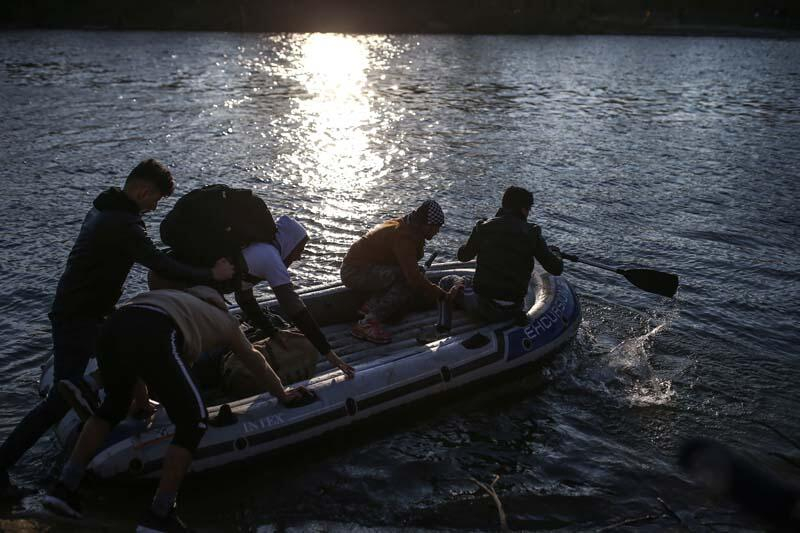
{"type": "Point", "coordinates": [503, 212]}
{"type": "Point", "coordinates": [113, 199]}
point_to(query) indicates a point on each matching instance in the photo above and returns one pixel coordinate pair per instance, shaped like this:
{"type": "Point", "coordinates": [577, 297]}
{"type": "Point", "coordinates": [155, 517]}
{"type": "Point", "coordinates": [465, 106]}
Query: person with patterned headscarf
{"type": "Point", "coordinates": [384, 263]}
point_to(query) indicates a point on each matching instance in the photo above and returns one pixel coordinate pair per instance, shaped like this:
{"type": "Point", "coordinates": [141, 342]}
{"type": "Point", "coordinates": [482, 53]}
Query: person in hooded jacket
{"type": "Point", "coordinates": [270, 262]}
{"type": "Point", "coordinates": [111, 239]}
{"type": "Point", "coordinates": [507, 248]}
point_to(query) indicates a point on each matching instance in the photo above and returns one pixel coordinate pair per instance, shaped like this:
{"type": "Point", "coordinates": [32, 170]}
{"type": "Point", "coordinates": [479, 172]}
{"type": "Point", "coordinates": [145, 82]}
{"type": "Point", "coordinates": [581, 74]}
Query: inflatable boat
{"type": "Point", "coordinates": [408, 370]}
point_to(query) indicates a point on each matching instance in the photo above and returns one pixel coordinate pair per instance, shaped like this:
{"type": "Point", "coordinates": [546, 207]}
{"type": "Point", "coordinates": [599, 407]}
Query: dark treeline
{"type": "Point", "coordinates": [411, 16]}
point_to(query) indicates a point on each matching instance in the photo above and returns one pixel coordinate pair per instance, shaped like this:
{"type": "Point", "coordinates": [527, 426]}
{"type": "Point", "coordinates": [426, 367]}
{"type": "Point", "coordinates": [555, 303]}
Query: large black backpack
{"type": "Point", "coordinates": [216, 221]}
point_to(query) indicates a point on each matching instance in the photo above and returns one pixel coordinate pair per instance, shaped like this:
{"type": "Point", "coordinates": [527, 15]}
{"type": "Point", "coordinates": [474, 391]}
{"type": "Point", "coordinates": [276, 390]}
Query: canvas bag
{"type": "Point", "coordinates": [294, 362]}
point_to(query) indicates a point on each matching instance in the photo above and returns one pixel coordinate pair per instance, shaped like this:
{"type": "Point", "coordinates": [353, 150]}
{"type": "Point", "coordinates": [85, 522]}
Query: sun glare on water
{"type": "Point", "coordinates": [335, 116]}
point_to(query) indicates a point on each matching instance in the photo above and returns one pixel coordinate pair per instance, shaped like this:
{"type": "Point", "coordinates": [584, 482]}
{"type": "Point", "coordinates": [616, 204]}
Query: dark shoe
{"type": "Point", "coordinates": [370, 330]}
{"type": "Point", "coordinates": [10, 493]}
{"type": "Point", "coordinates": [80, 396]}
{"type": "Point", "coordinates": [277, 321]}
{"type": "Point", "coordinates": [432, 334]}
{"type": "Point", "coordinates": [301, 397]}
{"type": "Point", "coordinates": [153, 523]}
{"type": "Point", "coordinates": [63, 501]}
{"type": "Point", "coordinates": [224, 417]}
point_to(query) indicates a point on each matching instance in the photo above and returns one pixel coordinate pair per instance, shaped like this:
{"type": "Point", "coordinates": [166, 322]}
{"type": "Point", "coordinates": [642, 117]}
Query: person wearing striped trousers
{"type": "Point", "coordinates": [153, 338]}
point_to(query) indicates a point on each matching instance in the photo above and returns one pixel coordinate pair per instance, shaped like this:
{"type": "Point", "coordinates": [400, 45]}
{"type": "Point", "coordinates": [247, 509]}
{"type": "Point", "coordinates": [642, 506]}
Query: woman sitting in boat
{"type": "Point", "coordinates": [507, 247]}
{"type": "Point", "coordinates": [384, 263]}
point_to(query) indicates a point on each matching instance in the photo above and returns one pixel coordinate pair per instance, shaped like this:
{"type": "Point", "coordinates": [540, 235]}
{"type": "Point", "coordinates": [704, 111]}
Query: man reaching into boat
{"type": "Point", "coordinates": [507, 247]}
{"type": "Point", "coordinates": [384, 263]}
{"type": "Point", "coordinates": [179, 326]}
{"type": "Point", "coordinates": [112, 238]}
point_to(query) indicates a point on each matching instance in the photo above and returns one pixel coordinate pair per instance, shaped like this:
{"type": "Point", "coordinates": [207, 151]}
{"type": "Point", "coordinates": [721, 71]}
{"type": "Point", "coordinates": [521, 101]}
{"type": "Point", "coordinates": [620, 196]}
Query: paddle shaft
{"type": "Point", "coordinates": [577, 259]}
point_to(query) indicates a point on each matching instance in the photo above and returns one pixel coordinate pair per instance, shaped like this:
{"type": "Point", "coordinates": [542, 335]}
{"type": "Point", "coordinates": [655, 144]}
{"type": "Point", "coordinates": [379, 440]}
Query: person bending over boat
{"type": "Point", "coordinates": [111, 239]}
{"type": "Point", "coordinates": [507, 247]}
{"type": "Point", "coordinates": [270, 262]}
{"type": "Point", "coordinates": [384, 263]}
{"type": "Point", "coordinates": [179, 325]}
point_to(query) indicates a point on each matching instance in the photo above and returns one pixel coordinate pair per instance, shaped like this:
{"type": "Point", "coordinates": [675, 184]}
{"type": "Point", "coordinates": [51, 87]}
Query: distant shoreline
{"type": "Point", "coordinates": [676, 31]}
{"type": "Point", "coordinates": [728, 18]}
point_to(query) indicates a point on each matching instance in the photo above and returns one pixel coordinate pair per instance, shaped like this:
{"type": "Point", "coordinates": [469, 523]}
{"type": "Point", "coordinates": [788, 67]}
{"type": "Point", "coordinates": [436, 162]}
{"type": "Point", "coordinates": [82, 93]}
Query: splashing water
{"type": "Point", "coordinates": [631, 361]}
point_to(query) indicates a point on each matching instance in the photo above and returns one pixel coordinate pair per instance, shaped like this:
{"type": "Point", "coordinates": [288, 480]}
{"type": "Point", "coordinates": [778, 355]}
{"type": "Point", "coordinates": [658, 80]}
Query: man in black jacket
{"type": "Point", "coordinates": [112, 238]}
{"type": "Point", "coordinates": [507, 247]}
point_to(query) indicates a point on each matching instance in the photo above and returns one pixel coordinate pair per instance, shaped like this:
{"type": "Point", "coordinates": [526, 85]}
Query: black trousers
{"type": "Point", "coordinates": [144, 343]}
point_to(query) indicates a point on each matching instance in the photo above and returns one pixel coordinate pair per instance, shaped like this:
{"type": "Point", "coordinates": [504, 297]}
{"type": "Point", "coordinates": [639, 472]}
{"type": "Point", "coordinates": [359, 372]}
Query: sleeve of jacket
{"type": "Point", "coordinates": [296, 310]}
{"type": "Point", "coordinates": [142, 250]}
{"type": "Point", "coordinates": [549, 261]}
{"type": "Point", "coordinates": [470, 250]}
{"type": "Point", "coordinates": [253, 312]}
{"type": "Point", "coordinates": [406, 252]}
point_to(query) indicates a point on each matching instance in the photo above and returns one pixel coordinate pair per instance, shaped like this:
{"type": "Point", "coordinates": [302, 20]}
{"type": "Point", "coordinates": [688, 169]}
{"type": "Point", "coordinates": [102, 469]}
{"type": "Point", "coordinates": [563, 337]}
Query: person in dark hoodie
{"type": "Point", "coordinates": [507, 247]}
{"type": "Point", "coordinates": [111, 239]}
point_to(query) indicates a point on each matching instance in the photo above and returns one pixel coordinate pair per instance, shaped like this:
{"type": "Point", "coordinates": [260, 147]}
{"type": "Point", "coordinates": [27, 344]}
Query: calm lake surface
{"type": "Point", "coordinates": [675, 153]}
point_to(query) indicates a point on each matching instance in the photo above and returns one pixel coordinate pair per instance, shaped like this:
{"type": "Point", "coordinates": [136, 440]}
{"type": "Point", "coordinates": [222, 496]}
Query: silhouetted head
{"type": "Point", "coordinates": [148, 183]}
{"type": "Point", "coordinates": [518, 200]}
{"type": "Point", "coordinates": [290, 239]}
{"type": "Point", "coordinates": [429, 217]}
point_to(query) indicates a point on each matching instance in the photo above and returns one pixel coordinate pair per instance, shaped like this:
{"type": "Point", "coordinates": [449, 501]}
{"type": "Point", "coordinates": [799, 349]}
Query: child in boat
{"type": "Point", "coordinates": [384, 263]}
{"type": "Point", "coordinates": [154, 337]}
{"type": "Point", "coordinates": [507, 247]}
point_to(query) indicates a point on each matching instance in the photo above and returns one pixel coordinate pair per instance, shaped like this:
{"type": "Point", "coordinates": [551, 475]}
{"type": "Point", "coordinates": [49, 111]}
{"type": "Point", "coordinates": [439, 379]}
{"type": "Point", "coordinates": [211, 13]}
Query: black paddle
{"type": "Point", "coordinates": [649, 280]}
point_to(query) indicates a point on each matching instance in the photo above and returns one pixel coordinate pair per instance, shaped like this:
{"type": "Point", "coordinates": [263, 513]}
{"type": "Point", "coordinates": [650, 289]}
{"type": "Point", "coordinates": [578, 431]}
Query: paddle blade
{"type": "Point", "coordinates": [654, 281]}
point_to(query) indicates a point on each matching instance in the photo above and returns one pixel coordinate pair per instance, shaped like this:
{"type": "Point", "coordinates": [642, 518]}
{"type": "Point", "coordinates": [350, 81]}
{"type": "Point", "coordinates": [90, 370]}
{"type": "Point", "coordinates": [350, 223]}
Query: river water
{"type": "Point", "coordinates": [675, 153]}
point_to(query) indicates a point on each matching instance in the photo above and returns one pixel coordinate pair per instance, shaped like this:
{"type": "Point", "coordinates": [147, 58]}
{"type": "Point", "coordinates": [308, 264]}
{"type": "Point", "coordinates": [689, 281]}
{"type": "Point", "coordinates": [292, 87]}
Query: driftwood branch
{"type": "Point", "coordinates": [490, 490]}
{"type": "Point", "coordinates": [673, 513]}
{"type": "Point", "coordinates": [628, 522]}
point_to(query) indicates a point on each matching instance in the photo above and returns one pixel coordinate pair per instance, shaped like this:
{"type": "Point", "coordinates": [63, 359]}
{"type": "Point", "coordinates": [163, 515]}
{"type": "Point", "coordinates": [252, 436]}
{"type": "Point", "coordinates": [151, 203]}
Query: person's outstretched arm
{"type": "Point", "coordinates": [142, 250]}
{"type": "Point", "coordinates": [470, 250]}
{"type": "Point", "coordinates": [257, 365]}
{"type": "Point", "coordinates": [549, 257]}
{"type": "Point", "coordinates": [405, 253]}
{"type": "Point", "coordinates": [298, 313]}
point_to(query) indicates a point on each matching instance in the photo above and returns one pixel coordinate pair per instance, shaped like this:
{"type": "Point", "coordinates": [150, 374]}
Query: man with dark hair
{"type": "Point", "coordinates": [152, 172]}
{"type": "Point", "coordinates": [384, 263]}
{"type": "Point", "coordinates": [112, 238]}
{"type": "Point", "coordinates": [507, 247]}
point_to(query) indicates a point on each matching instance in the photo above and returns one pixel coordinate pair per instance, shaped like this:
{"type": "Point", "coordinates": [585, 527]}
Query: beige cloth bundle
{"type": "Point", "coordinates": [295, 361]}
